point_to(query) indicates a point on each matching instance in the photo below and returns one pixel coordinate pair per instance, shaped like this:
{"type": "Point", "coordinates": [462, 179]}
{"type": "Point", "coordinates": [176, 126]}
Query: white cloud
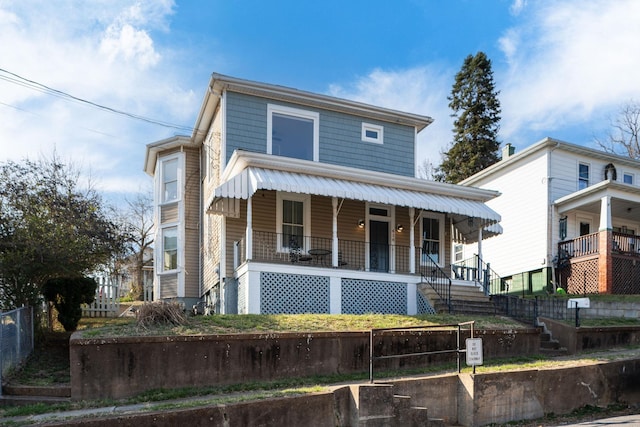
{"type": "Point", "coordinates": [102, 51]}
{"type": "Point", "coordinates": [569, 62]}
{"type": "Point", "coordinates": [420, 90]}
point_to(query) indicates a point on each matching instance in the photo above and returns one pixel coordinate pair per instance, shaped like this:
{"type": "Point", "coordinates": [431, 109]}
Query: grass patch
{"type": "Point", "coordinates": [261, 323]}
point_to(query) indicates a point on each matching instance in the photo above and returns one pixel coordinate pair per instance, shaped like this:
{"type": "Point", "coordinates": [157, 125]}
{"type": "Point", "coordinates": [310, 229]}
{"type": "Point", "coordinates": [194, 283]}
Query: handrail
{"type": "Point", "coordinates": [479, 271]}
{"type": "Point", "coordinates": [437, 278]}
{"type": "Point", "coordinates": [457, 350]}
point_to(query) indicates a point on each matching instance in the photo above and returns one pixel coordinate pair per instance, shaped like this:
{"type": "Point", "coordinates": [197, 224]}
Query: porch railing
{"type": "Point", "coordinates": [625, 243]}
{"type": "Point", "coordinates": [580, 246]}
{"type": "Point", "coordinates": [318, 251]}
{"type": "Point", "coordinates": [438, 279]}
{"type": "Point", "coordinates": [476, 270]}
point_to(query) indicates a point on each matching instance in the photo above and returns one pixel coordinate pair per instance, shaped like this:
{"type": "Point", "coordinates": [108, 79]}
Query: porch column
{"type": "Point", "coordinates": [480, 272]}
{"type": "Point", "coordinates": [249, 233]}
{"type": "Point", "coordinates": [605, 243]}
{"type": "Point", "coordinates": [334, 233]}
{"type": "Point", "coordinates": [412, 242]}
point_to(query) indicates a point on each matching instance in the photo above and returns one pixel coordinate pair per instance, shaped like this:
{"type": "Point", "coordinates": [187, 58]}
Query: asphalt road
{"type": "Point", "coordinates": [624, 421]}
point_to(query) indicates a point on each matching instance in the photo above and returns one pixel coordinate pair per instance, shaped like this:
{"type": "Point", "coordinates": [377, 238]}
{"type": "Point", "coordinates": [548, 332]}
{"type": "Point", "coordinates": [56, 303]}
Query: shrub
{"type": "Point", "coordinates": [67, 295]}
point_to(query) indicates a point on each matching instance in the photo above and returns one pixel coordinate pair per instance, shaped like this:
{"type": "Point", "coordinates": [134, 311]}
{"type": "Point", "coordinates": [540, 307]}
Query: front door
{"type": "Point", "coordinates": [379, 245]}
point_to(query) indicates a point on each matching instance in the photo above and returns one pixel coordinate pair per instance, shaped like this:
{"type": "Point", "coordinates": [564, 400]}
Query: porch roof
{"type": "Point", "coordinates": [467, 214]}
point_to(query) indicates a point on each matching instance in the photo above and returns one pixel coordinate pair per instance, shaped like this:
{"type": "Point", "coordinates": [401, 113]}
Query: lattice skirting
{"type": "Point", "coordinates": [369, 296]}
{"type": "Point", "coordinates": [293, 293]}
{"type": "Point", "coordinates": [626, 276]}
{"type": "Point", "coordinates": [580, 277]}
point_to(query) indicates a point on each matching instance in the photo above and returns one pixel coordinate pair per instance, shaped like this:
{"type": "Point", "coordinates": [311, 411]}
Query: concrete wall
{"type": "Point", "coordinates": [580, 339]}
{"type": "Point", "coordinates": [466, 399]}
{"type": "Point", "coordinates": [122, 367]}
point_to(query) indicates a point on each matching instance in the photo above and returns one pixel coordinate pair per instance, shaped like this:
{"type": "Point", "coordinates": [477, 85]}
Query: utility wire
{"type": "Point", "coordinates": [31, 84]}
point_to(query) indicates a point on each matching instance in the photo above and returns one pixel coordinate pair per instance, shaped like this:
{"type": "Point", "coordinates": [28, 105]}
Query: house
{"type": "Point", "coordinates": [570, 217]}
{"type": "Point", "coordinates": [286, 201]}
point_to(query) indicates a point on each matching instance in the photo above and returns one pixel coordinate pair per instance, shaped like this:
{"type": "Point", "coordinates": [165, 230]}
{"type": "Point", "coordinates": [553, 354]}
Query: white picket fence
{"type": "Point", "coordinates": [107, 302]}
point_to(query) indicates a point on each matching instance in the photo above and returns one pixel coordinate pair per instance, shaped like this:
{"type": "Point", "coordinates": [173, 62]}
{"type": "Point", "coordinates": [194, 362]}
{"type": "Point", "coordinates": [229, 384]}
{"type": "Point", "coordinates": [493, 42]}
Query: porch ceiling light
{"type": "Point", "coordinates": [399, 228]}
{"type": "Point", "coordinates": [361, 223]}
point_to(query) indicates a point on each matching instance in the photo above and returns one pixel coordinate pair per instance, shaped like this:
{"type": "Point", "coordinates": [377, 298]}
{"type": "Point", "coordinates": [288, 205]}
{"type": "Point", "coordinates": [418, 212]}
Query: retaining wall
{"type": "Point", "coordinates": [123, 367]}
{"type": "Point", "coordinates": [461, 399]}
{"type": "Point", "coordinates": [585, 338]}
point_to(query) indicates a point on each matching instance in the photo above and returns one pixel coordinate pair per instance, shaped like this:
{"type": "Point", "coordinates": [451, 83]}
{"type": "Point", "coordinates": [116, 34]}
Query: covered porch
{"type": "Point", "coordinates": [606, 260]}
{"type": "Point", "coordinates": [323, 229]}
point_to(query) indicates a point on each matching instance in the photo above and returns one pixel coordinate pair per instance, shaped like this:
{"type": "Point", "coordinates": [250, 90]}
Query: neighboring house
{"type": "Point", "coordinates": [285, 201]}
{"type": "Point", "coordinates": [566, 209]}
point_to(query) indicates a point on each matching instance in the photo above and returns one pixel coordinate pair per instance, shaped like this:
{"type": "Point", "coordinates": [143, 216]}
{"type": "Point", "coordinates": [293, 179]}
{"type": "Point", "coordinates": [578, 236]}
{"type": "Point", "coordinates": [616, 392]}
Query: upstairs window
{"type": "Point", "coordinates": [292, 132]}
{"type": "Point", "coordinates": [372, 133]}
{"type": "Point", "coordinates": [627, 178]}
{"type": "Point", "coordinates": [169, 180]}
{"type": "Point", "coordinates": [583, 176]}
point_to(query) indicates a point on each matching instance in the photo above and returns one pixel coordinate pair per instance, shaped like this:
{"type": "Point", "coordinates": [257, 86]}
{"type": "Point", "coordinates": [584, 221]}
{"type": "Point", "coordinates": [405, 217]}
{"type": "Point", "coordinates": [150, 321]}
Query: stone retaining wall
{"type": "Point", "coordinates": [123, 367]}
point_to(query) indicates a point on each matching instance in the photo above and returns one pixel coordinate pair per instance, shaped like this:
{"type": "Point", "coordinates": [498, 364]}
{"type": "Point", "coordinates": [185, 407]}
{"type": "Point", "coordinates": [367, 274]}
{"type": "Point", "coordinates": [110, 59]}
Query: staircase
{"type": "Point", "coordinates": [464, 300]}
{"type": "Point", "coordinates": [548, 345]}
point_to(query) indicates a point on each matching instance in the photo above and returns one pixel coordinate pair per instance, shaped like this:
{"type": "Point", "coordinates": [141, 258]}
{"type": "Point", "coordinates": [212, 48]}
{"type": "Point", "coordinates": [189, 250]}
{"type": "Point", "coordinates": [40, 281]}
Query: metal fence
{"type": "Point", "coordinates": [16, 338]}
{"type": "Point", "coordinates": [529, 309]}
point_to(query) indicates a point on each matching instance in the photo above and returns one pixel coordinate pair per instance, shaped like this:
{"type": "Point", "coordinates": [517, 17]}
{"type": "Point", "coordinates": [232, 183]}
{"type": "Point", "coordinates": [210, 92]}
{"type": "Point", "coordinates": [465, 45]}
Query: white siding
{"type": "Point", "coordinates": [523, 207]}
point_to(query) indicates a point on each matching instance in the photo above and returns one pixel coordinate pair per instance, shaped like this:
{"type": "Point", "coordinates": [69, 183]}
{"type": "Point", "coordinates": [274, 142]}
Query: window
{"type": "Point", "coordinates": [432, 233]}
{"type": "Point", "coordinates": [627, 178]}
{"type": "Point", "coordinates": [292, 132]}
{"type": "Point", "coordinates": [583, 176]}
{"type": "Point", "coordinates": [563, 228]}
{"type": "Point", "coordinates": [170, 248]}
{"type": "Point", "coordinates": [458, 252]}
{"type": "Point", "coordinates": [372, 133]}
{"type": "Point", "coordinates": [293, 220]}
{"type": "Point", "coordinates": [169, 180]}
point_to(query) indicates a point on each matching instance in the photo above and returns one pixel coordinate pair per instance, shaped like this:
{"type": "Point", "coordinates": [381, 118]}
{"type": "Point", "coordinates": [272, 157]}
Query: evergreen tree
{"type": "Point", "coordinates": [475, 105]}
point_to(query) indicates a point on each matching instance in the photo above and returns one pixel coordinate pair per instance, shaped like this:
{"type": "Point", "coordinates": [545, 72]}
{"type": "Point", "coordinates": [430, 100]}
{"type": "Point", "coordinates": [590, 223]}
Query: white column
{"type": "Point", "coordinates": [249, 233]}
{"type": "Point", "coordinates": [412, 242]}
{"type": "Point", "coordinates": [480, 242]}
{"type": "Point", "coordinates": [334, 233]}
{"type": "Point", "coordinates": [605, 213]}
{"type": "Point", "coordinates": [335, 295]}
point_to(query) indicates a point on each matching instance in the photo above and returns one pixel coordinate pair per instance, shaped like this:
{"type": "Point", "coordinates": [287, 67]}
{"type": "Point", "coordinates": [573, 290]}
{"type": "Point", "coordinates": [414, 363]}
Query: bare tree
{"type": "Point", "coordinates": [624, 136]}
{"type": "Point", "coordinates": [426, 170]}
{"type": "Point", "coordinates": [137, 221]}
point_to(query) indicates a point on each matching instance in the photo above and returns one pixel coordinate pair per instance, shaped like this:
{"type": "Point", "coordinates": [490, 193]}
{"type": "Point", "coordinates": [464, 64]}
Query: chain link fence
{"type": "Point", "coordinates": [16, 338]}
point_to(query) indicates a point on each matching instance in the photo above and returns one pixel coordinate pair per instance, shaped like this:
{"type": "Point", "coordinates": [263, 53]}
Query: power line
{"type": "Point", "coordinates": [31, 84]}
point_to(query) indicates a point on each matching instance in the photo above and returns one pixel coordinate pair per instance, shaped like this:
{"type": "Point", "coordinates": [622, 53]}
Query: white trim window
{"type": "Point", "coordinates": [292, 132]}
{"type": "Point", "coordinates": [432, 232]}
{"type": "Point", "coordinates": [293, 221]}
{"type": "Point", "coordinates": [583, 176]}
{"type": "Point", "coordinates": [372, 133]}
{"type": "Point", "coordinates": [169, 248]}
{"type": "Point", "coordinates": [627, 178]}
{"type": "Point", "coordinates": [170, 179]}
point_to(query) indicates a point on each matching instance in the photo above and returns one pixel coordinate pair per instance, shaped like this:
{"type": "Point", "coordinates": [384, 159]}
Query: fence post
{"type": "Point", "coordinates": [535, 311]}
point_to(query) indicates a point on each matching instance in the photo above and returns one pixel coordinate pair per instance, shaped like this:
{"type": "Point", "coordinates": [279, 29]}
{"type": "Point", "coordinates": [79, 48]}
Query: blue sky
{"type": "Point", "coordinates": [563, 68]}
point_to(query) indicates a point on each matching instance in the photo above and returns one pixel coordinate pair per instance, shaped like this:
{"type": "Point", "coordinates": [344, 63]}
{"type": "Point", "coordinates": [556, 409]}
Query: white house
{"type": "Point", "coordinates": [569, 210]}
{"type": "Point", "coordinates": [285, 201]}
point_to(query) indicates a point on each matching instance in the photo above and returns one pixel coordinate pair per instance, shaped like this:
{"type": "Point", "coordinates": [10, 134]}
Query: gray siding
{"type": "Point", "coordinates": [340, 136]}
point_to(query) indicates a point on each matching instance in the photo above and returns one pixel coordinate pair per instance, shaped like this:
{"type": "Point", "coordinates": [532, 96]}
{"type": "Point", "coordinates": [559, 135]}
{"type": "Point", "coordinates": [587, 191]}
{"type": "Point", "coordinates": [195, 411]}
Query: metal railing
{"type": "Point", "coordinates": [16, 338]}
{"type": "Point", "coordinates": [318, 251]}
{"type": "Point", "coordinates": [437, 278]}
{"type": "Point", "coordinates": [381, 331]}
{"type": "Point", "coordinates": [529, 309]}
{"type": "Point", "coordinates": [476, 270]}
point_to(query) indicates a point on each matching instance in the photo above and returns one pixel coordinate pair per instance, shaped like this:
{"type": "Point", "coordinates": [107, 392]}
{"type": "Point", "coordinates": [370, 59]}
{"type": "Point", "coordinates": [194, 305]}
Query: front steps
{"type": "Point", "coordinates": [464, 300]}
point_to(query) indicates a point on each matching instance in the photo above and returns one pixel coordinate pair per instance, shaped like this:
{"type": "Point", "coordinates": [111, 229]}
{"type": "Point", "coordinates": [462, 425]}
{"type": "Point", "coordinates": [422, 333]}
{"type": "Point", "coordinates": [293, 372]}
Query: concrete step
{"type": "Point", "coordinates": [7, 400]}
{"type": "Point", "coordinates": [54, 391]}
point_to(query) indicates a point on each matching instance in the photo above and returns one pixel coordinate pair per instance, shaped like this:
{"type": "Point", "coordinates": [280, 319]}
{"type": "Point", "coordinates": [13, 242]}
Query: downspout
{"type": "Point", "coordinates": [551, 217]}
